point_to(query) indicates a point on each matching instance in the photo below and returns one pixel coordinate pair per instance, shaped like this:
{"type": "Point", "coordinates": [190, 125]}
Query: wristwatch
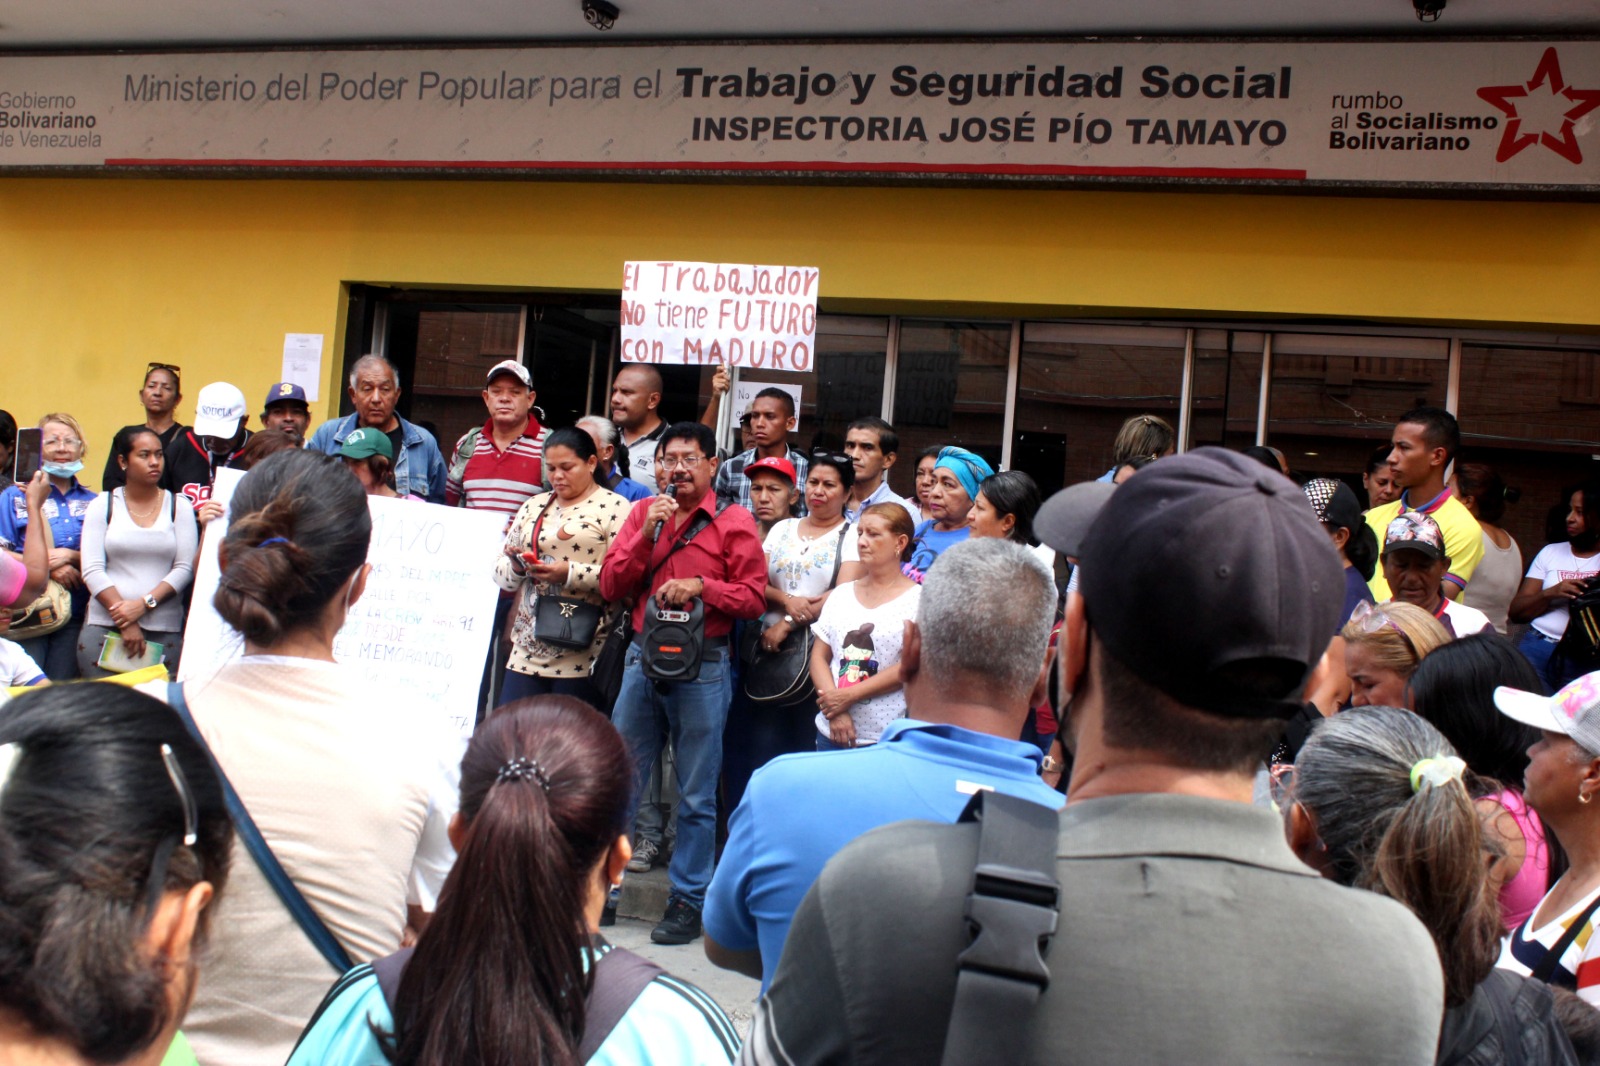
{"type": "Point", "coordinates": [150, 601]}
{"type": "Point", "coordinates": [1050, 765]}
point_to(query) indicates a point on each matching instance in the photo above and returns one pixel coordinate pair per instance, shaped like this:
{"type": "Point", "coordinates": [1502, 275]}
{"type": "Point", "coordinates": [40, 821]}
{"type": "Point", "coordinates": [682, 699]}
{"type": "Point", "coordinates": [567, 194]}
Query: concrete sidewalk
{"type": "Point", "coordinates": [734, 992]}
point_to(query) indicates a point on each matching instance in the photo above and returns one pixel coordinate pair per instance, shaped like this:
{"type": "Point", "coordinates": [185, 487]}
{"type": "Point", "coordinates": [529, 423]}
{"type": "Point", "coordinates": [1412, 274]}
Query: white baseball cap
{"type": "Point", "coordinates": [1574, 711]}
{"type": "Point", "coordinates": [218, 410]}
{"type": "Point", "coordinates": [512, 367]}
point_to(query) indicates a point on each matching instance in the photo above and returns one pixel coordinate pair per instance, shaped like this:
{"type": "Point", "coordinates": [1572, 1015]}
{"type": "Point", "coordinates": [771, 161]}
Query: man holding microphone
{"type": "Point", "coordinates": [678, 548]}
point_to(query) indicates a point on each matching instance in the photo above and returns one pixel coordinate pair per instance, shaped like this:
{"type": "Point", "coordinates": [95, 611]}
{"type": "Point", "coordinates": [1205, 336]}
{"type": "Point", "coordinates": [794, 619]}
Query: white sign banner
{"type": "Point", "coordinates": [733, 314]}
{"type": "Point", "coordinates": [424, 622]}
{"type": "Point", "coordinates": [1459, 113]}
{"type": "Point", "coordinates": [744, 395]}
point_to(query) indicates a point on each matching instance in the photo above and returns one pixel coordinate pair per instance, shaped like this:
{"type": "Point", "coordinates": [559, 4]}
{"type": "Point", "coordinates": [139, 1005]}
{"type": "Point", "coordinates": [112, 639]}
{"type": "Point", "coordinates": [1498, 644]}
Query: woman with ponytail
{"type": "Point", "coordinates": [1377, 799]}
{"type": "Point", "coordinates": [512, 970]}
{"type": "Point", "coordinates": [342, 776]}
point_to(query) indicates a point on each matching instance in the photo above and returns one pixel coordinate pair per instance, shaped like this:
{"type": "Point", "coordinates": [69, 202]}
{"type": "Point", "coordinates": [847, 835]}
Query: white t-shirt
{"type": "Point", "coordinates": [799, 566]}
{"type": "Point", "coordinates": [1464, 620]}
{"type": "Point", "coordinates": [864, 641]}
{"type": "Point", "coordinates": [1554, 564]}
{"type": "Point", "coordinates": [16, 667]}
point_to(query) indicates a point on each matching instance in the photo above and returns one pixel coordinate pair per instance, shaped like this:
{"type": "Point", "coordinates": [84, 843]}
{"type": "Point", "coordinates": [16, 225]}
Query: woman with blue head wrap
{"type": "Point", "coordinates": [957, 475]}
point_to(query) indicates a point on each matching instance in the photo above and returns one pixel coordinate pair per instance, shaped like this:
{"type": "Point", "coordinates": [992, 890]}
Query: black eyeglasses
{"type": "Point", "coordinates": [163, 366]}
{"type": "Point", "coordinates": [832, 457]}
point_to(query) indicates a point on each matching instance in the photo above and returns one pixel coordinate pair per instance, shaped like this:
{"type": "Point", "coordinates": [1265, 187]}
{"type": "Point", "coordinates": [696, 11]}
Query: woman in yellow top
{"type": "Point", "coordinates": [573, 525]}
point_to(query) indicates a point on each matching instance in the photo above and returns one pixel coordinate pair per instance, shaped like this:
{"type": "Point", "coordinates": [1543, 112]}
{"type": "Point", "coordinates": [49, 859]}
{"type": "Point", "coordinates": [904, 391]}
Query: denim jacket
{"type": "Point", "coordinates": [419, 469]}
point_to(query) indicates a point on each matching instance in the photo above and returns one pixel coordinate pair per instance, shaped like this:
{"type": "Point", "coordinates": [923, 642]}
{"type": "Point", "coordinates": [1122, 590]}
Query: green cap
{"type": "Point", "coordinates": [366, 442]}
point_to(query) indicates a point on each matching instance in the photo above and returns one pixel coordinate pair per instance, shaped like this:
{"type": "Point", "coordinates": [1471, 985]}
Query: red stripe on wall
{"type": "Point", "coordinates": [1045, 170]}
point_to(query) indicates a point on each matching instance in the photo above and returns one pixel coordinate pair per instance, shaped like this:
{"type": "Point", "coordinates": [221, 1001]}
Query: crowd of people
{"type": "Point", "coordinates": [1265, 715]}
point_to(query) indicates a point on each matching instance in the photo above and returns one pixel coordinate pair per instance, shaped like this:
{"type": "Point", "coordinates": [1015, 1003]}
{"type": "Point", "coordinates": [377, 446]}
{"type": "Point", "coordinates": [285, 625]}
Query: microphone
{"type": "Point", "coordinates": [671, 493]}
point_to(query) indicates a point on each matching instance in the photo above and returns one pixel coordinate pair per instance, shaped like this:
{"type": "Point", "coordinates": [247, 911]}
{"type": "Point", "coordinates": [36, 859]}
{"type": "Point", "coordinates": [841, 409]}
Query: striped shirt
{"type": "Point", "coordinates": [1579, 968]}
{"type": "Point", "coordinates": [495, 480]}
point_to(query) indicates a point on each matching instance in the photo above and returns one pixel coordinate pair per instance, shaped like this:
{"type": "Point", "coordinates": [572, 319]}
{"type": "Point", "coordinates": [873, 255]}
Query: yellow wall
{"type": "Point", "coordinates": [99, 277]}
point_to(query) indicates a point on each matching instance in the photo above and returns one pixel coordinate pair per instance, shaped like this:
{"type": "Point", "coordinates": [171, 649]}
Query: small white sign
{"type": "Point", "coordinates": [744, 394]}
{"type": "Point", "coordinates": [302, 362]}
{"type": "Point", "coordinates": [720, 314]}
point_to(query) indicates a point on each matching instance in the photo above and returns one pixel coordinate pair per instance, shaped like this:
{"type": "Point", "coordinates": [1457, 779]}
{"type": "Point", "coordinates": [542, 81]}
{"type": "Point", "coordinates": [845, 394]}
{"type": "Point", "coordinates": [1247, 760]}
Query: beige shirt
{"type": "Point", "coordinates": [581, 534]}
{"type": "Point", "coordinates": [342, 781]}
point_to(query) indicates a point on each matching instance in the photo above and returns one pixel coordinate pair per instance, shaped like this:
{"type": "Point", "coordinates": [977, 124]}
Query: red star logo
{"type": "Point", "coordinates": [1547, 73]}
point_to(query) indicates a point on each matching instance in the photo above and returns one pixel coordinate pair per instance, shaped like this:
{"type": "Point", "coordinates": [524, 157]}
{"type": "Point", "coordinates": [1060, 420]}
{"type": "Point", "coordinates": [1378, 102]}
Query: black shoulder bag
{"type": "Point", "coordinates": [782, 678]}
{"type": "Point", "coordinates": [672, 641]}
{"type": "Point", "coordinates": [562, 621]}
{"type": "Point", "coordinates": [1011, 915]}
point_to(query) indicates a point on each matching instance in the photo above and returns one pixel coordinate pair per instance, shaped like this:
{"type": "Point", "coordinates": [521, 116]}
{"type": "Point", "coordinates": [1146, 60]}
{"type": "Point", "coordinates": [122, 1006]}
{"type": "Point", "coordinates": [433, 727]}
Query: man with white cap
{"type": "Point", "coordinates": [195, 455]}
{"type": "Point", "coordinates": [498, 465]}
{"type": "Point", "coordinates": [1556, 943]}
{"type": "Point", "coordinates": [1129, 929]}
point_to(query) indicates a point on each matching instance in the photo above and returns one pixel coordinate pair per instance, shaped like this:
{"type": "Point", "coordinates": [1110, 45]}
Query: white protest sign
{"type": "Point", "coordinates": [744, 395]}
{"type": "Point", "coordinates": [733, 314]}
{"type": "Point", "coordinates": [424, 622]}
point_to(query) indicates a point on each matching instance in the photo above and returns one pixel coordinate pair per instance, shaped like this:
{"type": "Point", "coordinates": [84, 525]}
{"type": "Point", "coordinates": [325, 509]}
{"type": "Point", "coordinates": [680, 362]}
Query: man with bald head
{"type": "Point", "coordinates": [635, 398]}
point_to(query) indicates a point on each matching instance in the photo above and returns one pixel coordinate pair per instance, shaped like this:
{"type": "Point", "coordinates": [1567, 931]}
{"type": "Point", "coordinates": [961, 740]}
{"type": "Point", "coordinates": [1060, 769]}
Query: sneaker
{"type": "Point", "coordinates": [679, 925]}
{"type": "Point", "coordinates": [645, 855]}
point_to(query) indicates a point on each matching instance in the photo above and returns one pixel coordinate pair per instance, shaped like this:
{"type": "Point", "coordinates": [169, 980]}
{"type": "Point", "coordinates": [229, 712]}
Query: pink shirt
{"type": "Point", "coordinates": [1521, 895]}
{"type": "Point", "coordinates": [13, 575]}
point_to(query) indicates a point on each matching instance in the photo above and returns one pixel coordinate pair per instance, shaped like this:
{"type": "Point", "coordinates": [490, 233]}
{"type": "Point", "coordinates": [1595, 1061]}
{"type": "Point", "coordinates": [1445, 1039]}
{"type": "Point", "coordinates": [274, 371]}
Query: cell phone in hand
{"type": "Point", "coordinates": [26, 460]}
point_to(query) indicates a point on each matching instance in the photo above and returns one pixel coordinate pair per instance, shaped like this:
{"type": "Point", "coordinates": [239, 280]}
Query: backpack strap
{"type": "Point", "coordinates": [1011, 914]}
{"type": "Point", "coordinates": [293, 901]}
{"type": "Point", "coordinates": [388, 970]}
{"type": "Point", "coordinates": [620, 976]}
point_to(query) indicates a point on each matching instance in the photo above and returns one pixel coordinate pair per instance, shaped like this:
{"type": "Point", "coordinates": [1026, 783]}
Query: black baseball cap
{"type": "Point", "coordinates": [1205, 562]}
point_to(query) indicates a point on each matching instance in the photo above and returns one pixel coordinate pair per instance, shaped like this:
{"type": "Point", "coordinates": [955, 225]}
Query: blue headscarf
{"type": "Point", "coordinates": [969, 468]}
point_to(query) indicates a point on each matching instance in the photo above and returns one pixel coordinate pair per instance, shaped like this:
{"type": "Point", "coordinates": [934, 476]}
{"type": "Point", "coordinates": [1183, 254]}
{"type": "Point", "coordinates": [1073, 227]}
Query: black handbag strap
{"type": "Point", "coordinates": [1552, 958]}
{"type": "Point", "coordinates": [620, 976]}
{"type": "Point", "coordinates": [838, 555]}
{"type": "Point", "coordinates": [1011, 914]}
{"type": "Point", "coordinates": [297, 905]}
{"type": "Point", "coordinates": [696, 524]}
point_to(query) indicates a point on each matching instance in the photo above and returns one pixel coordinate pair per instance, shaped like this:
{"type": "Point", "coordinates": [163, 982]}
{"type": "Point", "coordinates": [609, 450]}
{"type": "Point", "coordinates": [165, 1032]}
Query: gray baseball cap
{"type": "Point", "coordinates": [1574, 711]}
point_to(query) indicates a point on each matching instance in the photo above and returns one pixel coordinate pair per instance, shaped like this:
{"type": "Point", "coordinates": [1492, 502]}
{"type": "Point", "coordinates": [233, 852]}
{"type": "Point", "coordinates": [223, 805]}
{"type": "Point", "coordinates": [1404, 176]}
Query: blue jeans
{"type": "Point", "coordinates": [1554, 670]}
{"type": "Point", "coordinates": [695, 712]}
{"type": "Point", "coordinates": [519, 686]}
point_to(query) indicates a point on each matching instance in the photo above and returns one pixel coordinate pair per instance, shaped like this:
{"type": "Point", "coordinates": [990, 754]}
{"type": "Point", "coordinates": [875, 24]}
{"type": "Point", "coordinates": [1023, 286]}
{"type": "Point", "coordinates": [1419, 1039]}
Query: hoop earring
{"type": "Point", "coordinates": [1583, 798]}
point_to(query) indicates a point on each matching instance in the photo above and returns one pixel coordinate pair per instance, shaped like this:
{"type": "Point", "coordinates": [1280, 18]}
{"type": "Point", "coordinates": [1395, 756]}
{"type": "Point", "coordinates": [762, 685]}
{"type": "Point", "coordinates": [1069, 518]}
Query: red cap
{"type": "Point", "coordinates": [773, 463]}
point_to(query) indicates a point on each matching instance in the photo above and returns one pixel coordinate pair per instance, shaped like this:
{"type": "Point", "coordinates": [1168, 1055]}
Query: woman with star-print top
{"type": "Point", "coordinates": [554, 547]}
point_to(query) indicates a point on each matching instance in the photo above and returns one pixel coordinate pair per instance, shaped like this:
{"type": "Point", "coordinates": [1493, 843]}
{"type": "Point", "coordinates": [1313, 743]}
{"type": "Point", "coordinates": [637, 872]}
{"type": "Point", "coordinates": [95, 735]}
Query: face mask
{"type": "Point", "coordinates": [62, 469]}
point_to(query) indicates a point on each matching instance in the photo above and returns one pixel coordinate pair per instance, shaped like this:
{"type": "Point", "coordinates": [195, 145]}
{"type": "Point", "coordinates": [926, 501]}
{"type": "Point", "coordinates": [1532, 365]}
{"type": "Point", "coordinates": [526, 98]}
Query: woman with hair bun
{"type": "Point", "coordinates": [343, 777]}
{"type": "Point", "coordinates": [114, 844]}
{"type": "Point", "coordinates": [1499, 574]}
{"type": "Point", "coordinates": [543, 837]}
{"type": "Point", "coordinates": [1377, 800]}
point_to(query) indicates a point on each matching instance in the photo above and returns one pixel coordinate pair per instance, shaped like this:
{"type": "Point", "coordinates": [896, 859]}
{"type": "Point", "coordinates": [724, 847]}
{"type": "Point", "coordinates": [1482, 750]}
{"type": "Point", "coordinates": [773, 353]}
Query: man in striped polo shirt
{"type": "Point", "coordinates": [496, 467]}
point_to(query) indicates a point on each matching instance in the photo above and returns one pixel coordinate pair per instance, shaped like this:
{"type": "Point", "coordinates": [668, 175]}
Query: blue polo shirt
{"type": "Point", "coordinates": [63, 510]}
{"type": "Point", "coordinates": [801, 809]}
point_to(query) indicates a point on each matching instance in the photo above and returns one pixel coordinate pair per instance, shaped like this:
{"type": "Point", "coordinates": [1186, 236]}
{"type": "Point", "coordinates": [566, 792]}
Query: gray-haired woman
{"type": "Point", "coordinates": [1376, 799]}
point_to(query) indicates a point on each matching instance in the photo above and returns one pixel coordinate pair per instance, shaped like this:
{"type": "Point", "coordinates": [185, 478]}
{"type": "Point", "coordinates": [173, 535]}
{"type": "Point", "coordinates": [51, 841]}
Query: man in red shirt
{"type": "Point", "coordinates": [723, 567]}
